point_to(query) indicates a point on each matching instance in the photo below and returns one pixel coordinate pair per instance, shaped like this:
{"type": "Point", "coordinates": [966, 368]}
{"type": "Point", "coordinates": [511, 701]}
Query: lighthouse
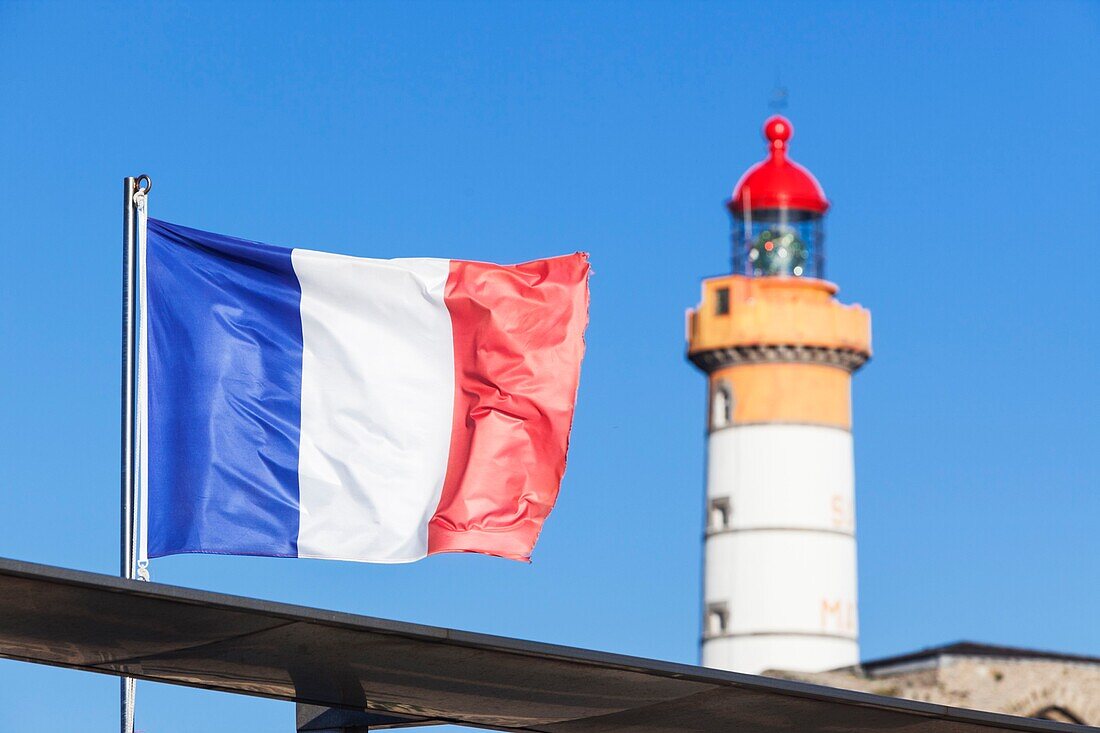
{"type": "Point", "coordinates": [779, 351]}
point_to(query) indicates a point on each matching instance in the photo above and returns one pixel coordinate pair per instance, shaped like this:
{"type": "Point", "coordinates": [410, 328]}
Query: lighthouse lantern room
{"type": "Point", "coordinates": [779, 351]}
{"type": "Point", "coordinates": [777, 210]}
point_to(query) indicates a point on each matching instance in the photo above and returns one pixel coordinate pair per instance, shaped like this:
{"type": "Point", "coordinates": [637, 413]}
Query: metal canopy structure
{"type": "Point", "coordinates": [404, 674]}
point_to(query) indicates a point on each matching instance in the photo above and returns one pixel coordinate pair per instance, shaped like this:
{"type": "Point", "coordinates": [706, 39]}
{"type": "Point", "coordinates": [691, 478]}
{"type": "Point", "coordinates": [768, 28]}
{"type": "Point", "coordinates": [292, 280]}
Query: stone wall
{"type": "Point", "coordinates": [1034, 688]}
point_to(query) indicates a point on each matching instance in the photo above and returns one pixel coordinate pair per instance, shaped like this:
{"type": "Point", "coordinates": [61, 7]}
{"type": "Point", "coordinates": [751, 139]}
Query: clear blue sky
{"type": "Point", "coordinates": [957, 142]}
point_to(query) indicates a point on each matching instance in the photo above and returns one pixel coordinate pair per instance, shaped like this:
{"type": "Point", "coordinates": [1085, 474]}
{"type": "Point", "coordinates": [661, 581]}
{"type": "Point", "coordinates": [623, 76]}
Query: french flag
{"type": "Point", "coordinates": [306, 404]}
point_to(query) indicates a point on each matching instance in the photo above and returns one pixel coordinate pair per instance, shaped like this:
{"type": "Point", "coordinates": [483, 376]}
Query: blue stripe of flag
{"type": "Point", "coordinates": [225, 385]}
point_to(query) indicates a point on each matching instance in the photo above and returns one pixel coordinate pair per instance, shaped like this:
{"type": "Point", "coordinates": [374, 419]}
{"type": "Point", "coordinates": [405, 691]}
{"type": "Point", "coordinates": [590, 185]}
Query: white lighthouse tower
{"type": "Point", "coordinates": [779, 351]}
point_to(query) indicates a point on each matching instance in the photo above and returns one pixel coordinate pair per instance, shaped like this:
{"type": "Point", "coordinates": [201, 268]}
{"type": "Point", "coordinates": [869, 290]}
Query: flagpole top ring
{"type": "Point", "coordinates": [144, 191]}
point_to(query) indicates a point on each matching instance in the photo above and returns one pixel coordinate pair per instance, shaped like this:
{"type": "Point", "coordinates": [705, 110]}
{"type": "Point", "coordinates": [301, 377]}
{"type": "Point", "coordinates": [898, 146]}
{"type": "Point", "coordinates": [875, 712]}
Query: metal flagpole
{"type": "Point", "coordinates": [129, 324]}
{"type": "Point", "coordinates": [130, 187]}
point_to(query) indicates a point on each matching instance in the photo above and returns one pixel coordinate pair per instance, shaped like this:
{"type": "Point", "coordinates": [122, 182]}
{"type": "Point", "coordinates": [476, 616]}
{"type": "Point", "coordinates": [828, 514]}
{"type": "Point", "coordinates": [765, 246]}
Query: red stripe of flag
{"type": "Point", "coordinates": [518, 344]}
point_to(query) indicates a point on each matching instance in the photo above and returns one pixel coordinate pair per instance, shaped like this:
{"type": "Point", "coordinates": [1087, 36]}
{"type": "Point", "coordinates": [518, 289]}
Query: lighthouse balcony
{"type": "Point", "coordinates": [783, 319]}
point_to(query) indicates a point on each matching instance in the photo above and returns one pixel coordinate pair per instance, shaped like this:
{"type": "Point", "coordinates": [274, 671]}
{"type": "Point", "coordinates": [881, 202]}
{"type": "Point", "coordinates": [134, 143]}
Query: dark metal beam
{"type": "Point", "coordinates": [410, 674]}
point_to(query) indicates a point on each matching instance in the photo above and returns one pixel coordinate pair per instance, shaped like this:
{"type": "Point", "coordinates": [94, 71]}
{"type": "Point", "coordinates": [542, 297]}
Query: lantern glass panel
{"type": "Point", "coordinates": [779, 243]}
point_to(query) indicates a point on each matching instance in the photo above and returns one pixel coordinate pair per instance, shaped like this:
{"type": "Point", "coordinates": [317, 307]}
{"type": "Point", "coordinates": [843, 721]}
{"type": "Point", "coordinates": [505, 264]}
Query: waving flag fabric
{"type": "Point", "coordinates": [305, 404]}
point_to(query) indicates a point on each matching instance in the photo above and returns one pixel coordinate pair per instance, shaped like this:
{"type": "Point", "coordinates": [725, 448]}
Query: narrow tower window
{"type": "Point", "coordinates": [717, 621]}
{"type": "Point", "coordinates": [722, 406]}
{"type": "Point", "coordinates": [722, 305]}
{"type": "Point", "coordinates": [719, 514]}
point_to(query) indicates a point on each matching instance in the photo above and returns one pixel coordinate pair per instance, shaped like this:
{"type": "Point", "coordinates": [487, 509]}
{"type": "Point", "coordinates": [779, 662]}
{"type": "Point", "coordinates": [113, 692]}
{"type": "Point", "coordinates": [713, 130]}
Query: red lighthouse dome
{"type": "Point", "coordinates": [777, 182]}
